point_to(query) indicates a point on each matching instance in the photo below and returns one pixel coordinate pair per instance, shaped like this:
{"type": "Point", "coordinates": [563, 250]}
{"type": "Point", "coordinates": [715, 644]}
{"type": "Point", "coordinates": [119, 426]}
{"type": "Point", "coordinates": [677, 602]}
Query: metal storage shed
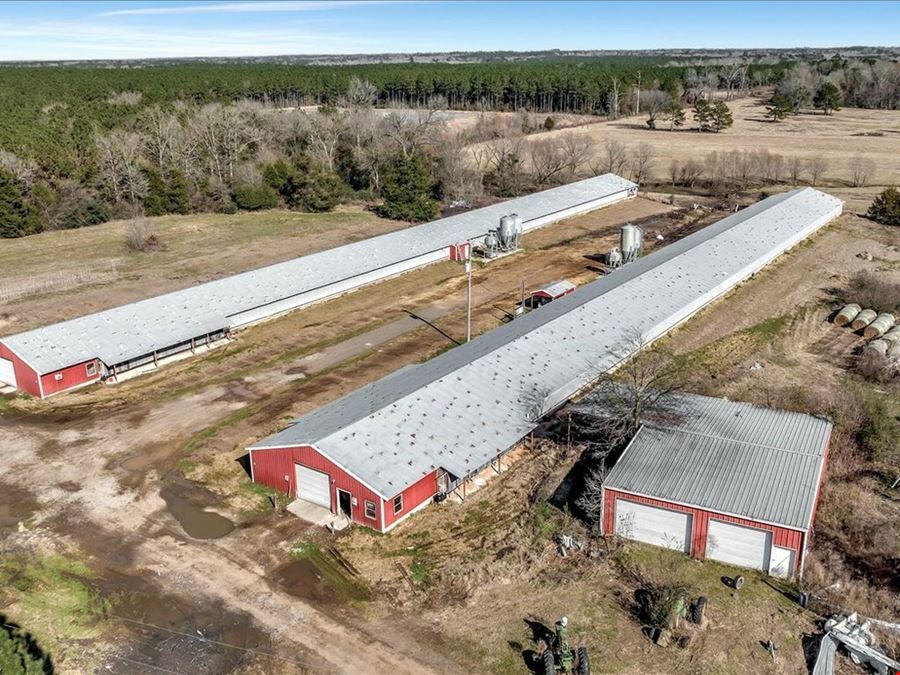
{"type": "Point", "coordinates": [716, 479]}
{"type": "Point", "coordinates": [83, 350]}
{"type": "Point", "coordinates": [437, 423]}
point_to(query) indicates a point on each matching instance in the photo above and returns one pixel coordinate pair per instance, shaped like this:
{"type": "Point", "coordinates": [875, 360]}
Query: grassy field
{"type": "Point", "coordinates": [837, 138]}
{"type": "Point", "coordinates": [56, 275]}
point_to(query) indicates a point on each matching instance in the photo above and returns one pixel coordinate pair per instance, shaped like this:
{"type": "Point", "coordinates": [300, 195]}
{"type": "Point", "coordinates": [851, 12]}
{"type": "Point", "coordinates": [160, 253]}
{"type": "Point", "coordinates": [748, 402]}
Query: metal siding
{"type": "Point", "coordinates": [124, 333]}
{"type": "Point", "coordinates": [73, 376]}
{"type": "Point", "coordinates": [470, 404]}
{"type": "Point", "coordinates": [414, 496]}
{"type": "Point", "coordinates": [781, 536]}
{"type": "Point", "coordinates": [730, 457]}
{"type": "Point", "coordinates": [26, 378]}
{"type": "Point", "coordinates": [271, 467]}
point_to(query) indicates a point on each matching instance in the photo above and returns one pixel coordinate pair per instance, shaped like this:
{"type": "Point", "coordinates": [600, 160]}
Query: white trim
{"type": "Point", "coordinates": [252, 472]}
{"type": "Point", "coordinates": [316, 448]}
{"type": "Point", "coordinates": [394, 508]}
{"type": "Point", "coordinates": [16, 354]}
{"type": "Point", "coordinates": [708, 510]}
{"type": "Point", "coordinates": [399, 520]}
{"type": "Point", "coordinates": [366, 502]}
{"type": "Point", "coordinates": [821, 475]}
{"type": "Point", "coordinates": [337, 499]}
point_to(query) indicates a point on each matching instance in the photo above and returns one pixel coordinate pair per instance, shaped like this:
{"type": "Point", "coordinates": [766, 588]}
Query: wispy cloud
{"type": "Point", "coordinates": [244, 7]}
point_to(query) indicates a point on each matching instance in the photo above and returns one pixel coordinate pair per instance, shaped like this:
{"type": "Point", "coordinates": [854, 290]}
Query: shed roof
{"type": "Point", "coordinates": [463, 408]}
{"type": "Point", "coordinates": [733, 458]}
{"type": "Point", "coordinates": [122, 333]}
{"type": "Point", "coordinates": [557, 288]}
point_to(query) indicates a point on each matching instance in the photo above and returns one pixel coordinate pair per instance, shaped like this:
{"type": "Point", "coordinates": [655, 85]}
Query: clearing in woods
{"type": "Point", "coordinates": [838, 138]}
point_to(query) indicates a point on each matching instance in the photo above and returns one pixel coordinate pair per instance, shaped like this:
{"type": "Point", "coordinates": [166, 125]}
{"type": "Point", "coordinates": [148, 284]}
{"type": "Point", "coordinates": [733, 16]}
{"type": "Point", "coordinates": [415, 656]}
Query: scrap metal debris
{"type": "Point", "coordinates": [858, 640]}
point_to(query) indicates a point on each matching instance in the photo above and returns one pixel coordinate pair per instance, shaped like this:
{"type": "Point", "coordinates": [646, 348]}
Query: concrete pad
{"type": "Point", "coordinates": [318, 515]}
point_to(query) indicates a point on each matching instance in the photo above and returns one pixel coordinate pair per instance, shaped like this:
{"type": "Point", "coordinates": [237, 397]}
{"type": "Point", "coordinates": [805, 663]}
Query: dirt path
{"type": "Point", "coordinates": [95, 462]}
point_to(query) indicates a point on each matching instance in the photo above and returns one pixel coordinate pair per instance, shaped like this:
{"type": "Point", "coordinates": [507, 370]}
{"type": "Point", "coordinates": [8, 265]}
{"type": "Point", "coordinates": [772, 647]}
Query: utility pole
{"type": "Point", "coordinates": [469, 297]}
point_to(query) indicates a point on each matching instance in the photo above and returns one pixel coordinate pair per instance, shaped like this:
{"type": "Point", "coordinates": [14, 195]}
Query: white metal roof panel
{"type": "Point", "coordinates": [464, 407]}
{"type": "Point", "coordinates": [557, 288]}
{"type": "Point", "coordinates": [734, 458]}
{"type": "Point", "coordinates": [130, 331]}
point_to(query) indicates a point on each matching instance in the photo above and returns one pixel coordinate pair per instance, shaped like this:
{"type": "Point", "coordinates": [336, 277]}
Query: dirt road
{"type": "Point", "coordinates": [96, 469]}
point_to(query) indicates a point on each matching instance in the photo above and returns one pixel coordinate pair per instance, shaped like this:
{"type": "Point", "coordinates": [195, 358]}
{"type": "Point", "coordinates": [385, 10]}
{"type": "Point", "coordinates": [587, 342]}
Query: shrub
{"type": "Point", "coordinates": [255, 197]}
{"type": "Point", "coordinates": [140, 237]}
{"type": "Point", "coordinates": [886, 207]}
{"type": "Point", "coordinates": [407, 191]}
{"type": "Point", "coordinates": [19, 653]}
{"type": "Point", "coordinates": [871, 289]}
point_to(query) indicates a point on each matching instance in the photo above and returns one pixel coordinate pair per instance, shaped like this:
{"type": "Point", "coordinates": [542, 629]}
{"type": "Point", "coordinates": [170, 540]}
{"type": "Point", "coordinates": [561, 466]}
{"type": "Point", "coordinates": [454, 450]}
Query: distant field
{"type": "Point", "coordinates": [43, 272]}
{"type": "Point", "coordinates": [839, 138]}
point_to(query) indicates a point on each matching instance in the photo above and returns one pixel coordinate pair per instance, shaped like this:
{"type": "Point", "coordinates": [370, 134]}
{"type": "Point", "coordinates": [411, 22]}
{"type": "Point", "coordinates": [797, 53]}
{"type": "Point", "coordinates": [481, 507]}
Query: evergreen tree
{"type": "Point", "coordinates": [675, 113]}
{"type": "Point", "coordinates": [886, 207]}
{"type": "Point", "coordinates": [779, 107]}
{"type": "Point", "coordinates": [19, 653]}
{"type": "Point", "coordinates": [721, 116]}
{"type": "Point", "coordinates": [255, 197]}
{"type": "Point", "coordinates": [17, 216]}
{"type": "Point", "coordinates": [827, 97]}
{"type": "Point", "coordinates": [407, 191]}
{"type": "Point", "coordinates": [703, 114]}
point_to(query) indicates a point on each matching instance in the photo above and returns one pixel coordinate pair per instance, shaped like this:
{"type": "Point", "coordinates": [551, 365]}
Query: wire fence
{"type": "Point", "coordinates": [21, 287]}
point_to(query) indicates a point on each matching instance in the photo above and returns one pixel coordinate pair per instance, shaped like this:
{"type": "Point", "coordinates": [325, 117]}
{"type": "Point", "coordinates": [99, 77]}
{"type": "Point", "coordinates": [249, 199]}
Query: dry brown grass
{"type": "Point", "coordinates": [839, 140]}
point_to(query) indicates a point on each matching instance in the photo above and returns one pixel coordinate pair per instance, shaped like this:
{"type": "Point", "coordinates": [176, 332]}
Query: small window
{"type": "Point", "coordinates": [398, 503]}
{"type": "Point", "coordinates": [370, 509]}
{"type": "Point", "coordinates": [91, 368]}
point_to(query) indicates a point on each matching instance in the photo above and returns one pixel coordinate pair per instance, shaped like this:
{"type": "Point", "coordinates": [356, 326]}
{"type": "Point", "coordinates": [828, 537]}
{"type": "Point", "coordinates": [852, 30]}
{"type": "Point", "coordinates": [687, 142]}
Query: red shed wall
{"type": "Point", "coordinates": [781, 536]}
{"type": "Point", "coordinates": [415, 495]}
{"type": "Point", "coordinates": [26, 378]}
{"type": "Point", "coordinates": [72, 376]}
{"type": "Point", "coordinates": [275, 467]}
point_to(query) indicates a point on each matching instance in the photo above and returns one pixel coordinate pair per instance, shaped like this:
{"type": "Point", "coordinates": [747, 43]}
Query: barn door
{"type": "Point", "coordinates": [313, 486]}
{"type": "Point", "coordinates": [8, 373]}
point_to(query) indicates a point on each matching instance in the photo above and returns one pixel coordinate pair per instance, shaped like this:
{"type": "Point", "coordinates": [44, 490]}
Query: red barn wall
{"type": "Point", "coordinates": [72, 376]}
{"type": "Point", "coordinates": [781, 536]}
{"type": "Point", "coordinates": [26, 378]}
{"type": "Point", "coordinates": [275, 467]}
{"type": "Point", "coordinates": [421, 491]}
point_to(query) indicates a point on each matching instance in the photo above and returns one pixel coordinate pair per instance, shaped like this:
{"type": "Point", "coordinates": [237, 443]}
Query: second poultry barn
{"type": "Point", "coordinates": [387, 449]}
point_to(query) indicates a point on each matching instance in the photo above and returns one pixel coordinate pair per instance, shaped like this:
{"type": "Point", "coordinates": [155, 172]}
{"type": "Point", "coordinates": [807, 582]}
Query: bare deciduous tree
{"type": "Point", "coordinates": [548, 162]}
{"type": "Point", "coordinates": [24, 170]}
{"type": "Point", "coordinates": [861, 171]}
{"type": "Point", "coordinates": [460, 179]}
{"type": "Point", "coordinates": [226, 135]}
{"type": "Point", "coordinates": [816, 167]}
{"type": "Point", "coordinates": [613, 158]}
{"type": "Point", "coordinates": [411, 131]}
{"type": "Point", "coordinates": [119, 155]}
{"type": "Point", "coordinates": [324, 136]}
{"type": "Point", "coordinates": [642, 163]}
{"type": "Point", "coordinates": [796, 168]}
{"type": "Point", "coordinates": [504, 159]}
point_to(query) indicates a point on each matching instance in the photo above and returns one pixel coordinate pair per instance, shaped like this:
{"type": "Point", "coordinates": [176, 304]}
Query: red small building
{"type": "Point", "coordinates": [306, 473]}
{"type": "Point", "coordinates": [722, 480]}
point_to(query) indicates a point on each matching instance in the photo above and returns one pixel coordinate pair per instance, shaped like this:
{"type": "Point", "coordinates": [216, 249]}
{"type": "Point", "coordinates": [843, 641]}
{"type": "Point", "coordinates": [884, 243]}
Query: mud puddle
{"type": "Point", "coordinates": [169, 633]}
{"type": "Point", "coordinates": [188, 503]}
{"type": "Point", "coordinates": [301, 579]}
{"type": "Point", "coordinates": [17, 505]}
{"type": "Point", "coordinates": [321, 578]}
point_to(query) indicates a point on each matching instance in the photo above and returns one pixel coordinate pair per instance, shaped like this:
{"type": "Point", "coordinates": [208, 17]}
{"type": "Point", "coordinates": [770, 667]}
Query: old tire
{"type": "Point", "coordinates": [738, 582]}
{"type": "Point", "coordinates": [698, 610]}
{"type": "Point", "coordinates": [584, 665]}
{"type": "Point", "coordinates": [548, 667]}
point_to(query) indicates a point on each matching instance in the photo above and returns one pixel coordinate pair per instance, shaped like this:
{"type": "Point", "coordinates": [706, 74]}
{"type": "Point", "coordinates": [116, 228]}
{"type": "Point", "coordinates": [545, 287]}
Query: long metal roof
{"type": "Point", "coordinates": [734, 458]}
{"type": "Point", "coordinates": [461, 409]}
{"type": "Point", "coordinates": [130, 331]}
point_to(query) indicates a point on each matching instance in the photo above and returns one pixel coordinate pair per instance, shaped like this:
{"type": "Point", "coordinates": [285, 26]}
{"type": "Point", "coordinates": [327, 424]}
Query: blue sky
{"type": "Point", "coordinates": [97, 30]}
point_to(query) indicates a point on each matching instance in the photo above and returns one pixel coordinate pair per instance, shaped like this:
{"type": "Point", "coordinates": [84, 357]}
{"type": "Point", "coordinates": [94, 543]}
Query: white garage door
{"type": "Point", "coordinates": [7, 372]}
{"type": "Point", "coordinates": [738, 545]}
{"type": "Point", "coordinates": [652, 525]}
{"type": "Point", "coordinates": [313, 486]}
